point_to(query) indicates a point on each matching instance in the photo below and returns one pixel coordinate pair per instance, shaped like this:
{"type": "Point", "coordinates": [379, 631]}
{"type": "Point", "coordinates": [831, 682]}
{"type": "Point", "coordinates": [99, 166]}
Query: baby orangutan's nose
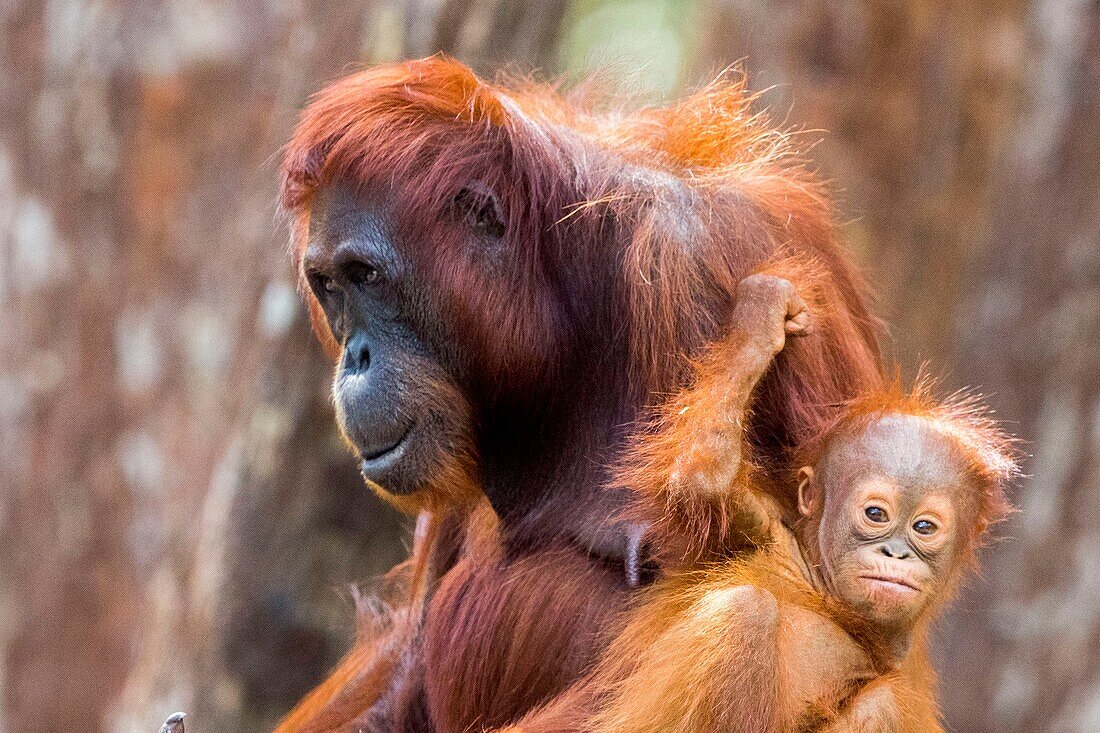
{"type": "Point", "coordinates": [896, 549]}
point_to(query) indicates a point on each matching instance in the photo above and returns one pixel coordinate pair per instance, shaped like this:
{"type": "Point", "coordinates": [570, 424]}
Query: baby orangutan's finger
{"type": "Point", "coordinates": [799, 324]}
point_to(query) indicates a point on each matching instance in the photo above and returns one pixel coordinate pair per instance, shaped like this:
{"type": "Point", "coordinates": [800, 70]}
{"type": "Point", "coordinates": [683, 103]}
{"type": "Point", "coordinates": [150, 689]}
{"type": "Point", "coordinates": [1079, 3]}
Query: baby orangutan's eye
{"type": "Point", "coordinates": [924, 526]}
{"type": "Point", "coordinates": [876, 514]}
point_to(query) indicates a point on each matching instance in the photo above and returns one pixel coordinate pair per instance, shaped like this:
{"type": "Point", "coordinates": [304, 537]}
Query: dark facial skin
{"type": "Point", "coordinates": [889, 519]}
{"type": "Point", "coordinates": [453, 339]}
{"type": "Point", "coordinates": [397, 400]}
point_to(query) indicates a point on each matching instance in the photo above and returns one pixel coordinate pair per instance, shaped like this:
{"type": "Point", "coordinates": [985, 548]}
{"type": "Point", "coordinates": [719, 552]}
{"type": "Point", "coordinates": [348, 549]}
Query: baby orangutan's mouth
{"type": "Point", "coordinates": [893, 583]}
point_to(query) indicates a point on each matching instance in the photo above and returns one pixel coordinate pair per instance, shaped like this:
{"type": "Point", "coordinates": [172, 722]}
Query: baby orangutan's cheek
{"type": "Point", "coordinates": [848, 584]}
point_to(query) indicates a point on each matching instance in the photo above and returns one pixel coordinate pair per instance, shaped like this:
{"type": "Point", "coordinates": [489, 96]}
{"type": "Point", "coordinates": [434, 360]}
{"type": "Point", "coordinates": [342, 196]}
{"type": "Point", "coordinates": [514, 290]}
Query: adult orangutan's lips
{"type": "Point", "coordinates": [385, 458]}
{"type": "Point", "coordinates": [892, 582]}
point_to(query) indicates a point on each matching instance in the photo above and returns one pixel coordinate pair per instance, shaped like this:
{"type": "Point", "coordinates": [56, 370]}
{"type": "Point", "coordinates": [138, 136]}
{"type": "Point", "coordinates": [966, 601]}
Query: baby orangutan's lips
{"type": "Point", "coordinates": [891, 583]}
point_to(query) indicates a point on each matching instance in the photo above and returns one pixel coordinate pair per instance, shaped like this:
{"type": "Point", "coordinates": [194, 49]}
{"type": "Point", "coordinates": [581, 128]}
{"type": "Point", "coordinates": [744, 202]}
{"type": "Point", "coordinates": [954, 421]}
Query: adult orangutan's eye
{"type": "Point", "coordinates": [924, 526]}
{"type": "Point", "coordinates": [321, 284]}
{"type": "Point", "coordinates": [876, 514]}
{"type": "Point", "coordinates": [481, 209]}
{"type": "Point", "coordinates": [362, 273]}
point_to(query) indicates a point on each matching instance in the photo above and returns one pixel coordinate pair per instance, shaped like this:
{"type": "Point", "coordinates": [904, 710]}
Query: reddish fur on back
{"type": "Point", "coordinates": [687, 526]}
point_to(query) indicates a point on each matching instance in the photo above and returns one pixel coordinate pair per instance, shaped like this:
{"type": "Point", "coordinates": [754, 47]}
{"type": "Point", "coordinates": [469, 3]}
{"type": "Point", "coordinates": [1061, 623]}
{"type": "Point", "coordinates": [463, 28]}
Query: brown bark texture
{"type": "Point", "coordinates": [963, 140]}
{"type": "Point", "coordinates": [179, 520]}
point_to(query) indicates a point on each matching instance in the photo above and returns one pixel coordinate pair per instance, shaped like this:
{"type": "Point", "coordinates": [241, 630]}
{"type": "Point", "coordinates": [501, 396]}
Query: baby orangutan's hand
{"type": "Point", "coordinates": [771, 307]}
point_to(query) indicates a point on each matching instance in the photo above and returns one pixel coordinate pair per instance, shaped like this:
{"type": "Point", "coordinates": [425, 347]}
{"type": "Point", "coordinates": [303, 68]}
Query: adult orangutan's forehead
{"type": "Point", "coordinates": [342, 215]}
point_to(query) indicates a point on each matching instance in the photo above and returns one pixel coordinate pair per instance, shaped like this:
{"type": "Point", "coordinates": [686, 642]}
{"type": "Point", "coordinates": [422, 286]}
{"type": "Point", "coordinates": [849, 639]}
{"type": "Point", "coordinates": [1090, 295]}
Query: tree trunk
{"type": "Point", "coordinates": [911, 102]}
{"type": "Point", "coordinates": [1020, 653]}
{"type": "Point", "coordinates": [178, 513]}
{"type": "Point", "coordinates": [964, 140]}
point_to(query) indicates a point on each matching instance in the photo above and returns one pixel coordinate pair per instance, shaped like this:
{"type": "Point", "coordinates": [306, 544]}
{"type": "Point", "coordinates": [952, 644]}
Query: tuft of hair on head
{"type": "Point", "coordinates": [992, 455]}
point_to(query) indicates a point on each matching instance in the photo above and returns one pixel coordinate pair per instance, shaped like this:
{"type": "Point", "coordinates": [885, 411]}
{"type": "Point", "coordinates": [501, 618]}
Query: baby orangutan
{"type": "Point", "coordinates": [804, 618]}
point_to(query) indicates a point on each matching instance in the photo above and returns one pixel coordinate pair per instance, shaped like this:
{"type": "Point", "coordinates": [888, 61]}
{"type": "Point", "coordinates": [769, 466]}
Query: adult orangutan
{"type": "Point", "coordinates": [509, 283]}
{"type": "Point", "coordinates": [821, 628]}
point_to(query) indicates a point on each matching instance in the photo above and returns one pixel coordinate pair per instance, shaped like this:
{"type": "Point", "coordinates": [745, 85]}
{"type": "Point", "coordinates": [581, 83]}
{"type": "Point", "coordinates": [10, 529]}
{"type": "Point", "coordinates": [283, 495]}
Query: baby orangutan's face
{"type": "Point", "coordinates": [889, 521]}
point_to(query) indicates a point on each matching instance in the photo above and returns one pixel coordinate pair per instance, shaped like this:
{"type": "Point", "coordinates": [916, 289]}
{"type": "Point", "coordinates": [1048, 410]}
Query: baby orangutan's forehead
{"type": "Point", "coordinates": [910, 450]}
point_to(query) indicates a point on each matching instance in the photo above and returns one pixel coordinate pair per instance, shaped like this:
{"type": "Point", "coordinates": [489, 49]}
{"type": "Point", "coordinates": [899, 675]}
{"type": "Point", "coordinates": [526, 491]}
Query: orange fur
{"type": "Point", "coordinates": [695, 658]}
{"type": "Point", "coordinates": [701, 433]}
{"type": "Point", "coordinates": [641, 224]}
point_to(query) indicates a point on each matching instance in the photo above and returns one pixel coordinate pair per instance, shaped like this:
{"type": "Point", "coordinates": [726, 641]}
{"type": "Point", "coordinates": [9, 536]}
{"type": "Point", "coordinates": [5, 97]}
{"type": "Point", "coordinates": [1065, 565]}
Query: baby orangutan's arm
{"type": "Point", "coordinates": [689, 473]}
{"type": "Point", "coordinates": [902, 700]}
{"type": "Point", "coordinates": [888, 704]}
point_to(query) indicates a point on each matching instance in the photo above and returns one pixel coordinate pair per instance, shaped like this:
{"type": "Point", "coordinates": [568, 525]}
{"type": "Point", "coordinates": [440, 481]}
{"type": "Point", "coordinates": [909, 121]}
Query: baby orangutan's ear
{"type": "Point", "coordinates": [808, 495]}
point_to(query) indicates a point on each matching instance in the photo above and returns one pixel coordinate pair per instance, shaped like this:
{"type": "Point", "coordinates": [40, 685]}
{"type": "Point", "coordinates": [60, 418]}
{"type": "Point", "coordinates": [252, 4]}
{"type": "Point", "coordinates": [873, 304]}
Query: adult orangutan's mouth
{"type": "Point", "coordinates": [383, 459]}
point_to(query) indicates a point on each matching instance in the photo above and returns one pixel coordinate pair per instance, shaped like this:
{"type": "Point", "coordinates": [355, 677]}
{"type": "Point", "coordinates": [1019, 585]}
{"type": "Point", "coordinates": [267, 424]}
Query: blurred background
{"type": "Point", "coordinates": [178, 519]}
